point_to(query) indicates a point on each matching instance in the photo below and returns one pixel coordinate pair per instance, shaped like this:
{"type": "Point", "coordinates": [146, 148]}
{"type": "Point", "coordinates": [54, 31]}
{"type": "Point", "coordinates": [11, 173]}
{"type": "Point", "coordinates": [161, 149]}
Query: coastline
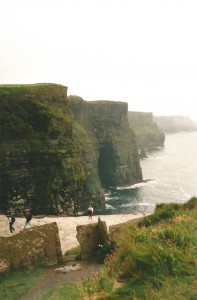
{"type": "Point", "coordinates": [66, 225]}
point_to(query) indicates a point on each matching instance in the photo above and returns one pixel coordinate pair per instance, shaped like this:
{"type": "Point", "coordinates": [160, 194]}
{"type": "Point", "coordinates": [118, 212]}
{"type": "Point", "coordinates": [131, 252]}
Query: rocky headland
{"type": "Point", "coordinates": [58, 152]}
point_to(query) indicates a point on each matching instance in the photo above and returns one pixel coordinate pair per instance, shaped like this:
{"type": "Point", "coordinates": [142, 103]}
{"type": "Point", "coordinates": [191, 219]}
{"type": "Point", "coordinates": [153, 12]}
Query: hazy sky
{"type": "Point", "coordinates": [140, 52]}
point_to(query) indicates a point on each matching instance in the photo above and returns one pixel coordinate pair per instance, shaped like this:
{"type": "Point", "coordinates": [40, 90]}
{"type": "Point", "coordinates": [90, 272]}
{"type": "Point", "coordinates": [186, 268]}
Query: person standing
{"type": "Point", "coordinates": [90, 211]}
{"type": "Point", "coordinates": [11, 220]}
{"type": "Point", "coordinates": [28, 217]}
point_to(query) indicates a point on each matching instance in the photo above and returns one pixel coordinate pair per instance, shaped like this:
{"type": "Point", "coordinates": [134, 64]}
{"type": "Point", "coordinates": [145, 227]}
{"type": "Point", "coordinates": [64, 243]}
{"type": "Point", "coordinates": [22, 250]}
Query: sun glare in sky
{"type": "Point", "coordinates": [140, 52]}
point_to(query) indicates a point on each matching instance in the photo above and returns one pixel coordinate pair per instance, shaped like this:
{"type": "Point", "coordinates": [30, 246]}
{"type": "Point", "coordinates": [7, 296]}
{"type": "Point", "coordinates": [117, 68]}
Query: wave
{"type": "Point", "coordinates": [138, 204]}
{"type": "Point", "coordinates": [111, 198]}
{"type": "Point", "coordinates": [107, 206]}
{"type": "Point", "coordinates": [157, 157]}
{"type": "Point", "coordinates": [134, 186]}
{"type": "Point", "coordinates": [131, 186]}
{"type": "Point", "coordinates": [184, 193]}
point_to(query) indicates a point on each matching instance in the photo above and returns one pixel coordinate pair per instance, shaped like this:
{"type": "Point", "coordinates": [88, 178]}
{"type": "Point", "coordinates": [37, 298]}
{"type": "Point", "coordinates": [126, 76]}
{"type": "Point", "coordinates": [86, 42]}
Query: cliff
{"type": "Point", "coordinates": [148, 135]}
{"type": "Point", "coordinates": [40, 164]}
{"type": "Point", "coordinates": [175, 123]}
{"type": "Point", "coordinates": [116, 158]}
{"type": "Point", "coordinates": [56, 154]}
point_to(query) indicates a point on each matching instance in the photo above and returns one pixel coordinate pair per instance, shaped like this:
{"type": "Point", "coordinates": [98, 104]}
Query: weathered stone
{"type": "Point", "coordinates": [30, 247]}
{"type": "Point", "coordinates": [90, 236]}
{"type": "Point", "coordinates": [102, 232]}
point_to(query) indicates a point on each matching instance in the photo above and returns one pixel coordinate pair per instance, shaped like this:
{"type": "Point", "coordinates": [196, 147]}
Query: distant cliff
{"type": "Point", "coordinates": [57, 154]}
{"type": "Point", "coordinates": [112, 143]}
{"type": "Point", "coordinates": [148, 135]}
{"type": "Point", "coordinates": [175, 123]}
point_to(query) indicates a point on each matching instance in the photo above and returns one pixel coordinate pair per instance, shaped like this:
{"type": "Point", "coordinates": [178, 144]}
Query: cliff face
{"type": "Point", "coordinates": [148, 135]}
{"type": "Point", "coordinates": [116, 158]}
{"type": "Point", "coordinates": [175, 123]}
{"type": "Point", "coordinates": [40, 165]}
{"type": "Point", "coordinates": [57, 154]}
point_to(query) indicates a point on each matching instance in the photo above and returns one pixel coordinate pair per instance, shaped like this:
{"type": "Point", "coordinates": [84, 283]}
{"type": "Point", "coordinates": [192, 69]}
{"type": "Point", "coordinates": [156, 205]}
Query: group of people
{"type": "Point", "coordinates": [11, 219]}
{"type": "Point", "coordinates": [28, 216]}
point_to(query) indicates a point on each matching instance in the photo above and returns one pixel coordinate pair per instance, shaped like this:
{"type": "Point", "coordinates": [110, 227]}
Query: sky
{"type": "Point", "coordinates": [143, 52]}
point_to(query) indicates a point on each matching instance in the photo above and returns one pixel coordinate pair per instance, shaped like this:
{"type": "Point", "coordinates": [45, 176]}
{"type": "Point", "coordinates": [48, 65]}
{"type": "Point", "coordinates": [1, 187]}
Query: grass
{"type": "Point", "coordinates": [67, 291]}
{"type": "Point", "coordinates": [16, 283]}
{"type": "Point", "coordinates": [155, 260]}
{"type": "Point", "coordinates": [74, 251]}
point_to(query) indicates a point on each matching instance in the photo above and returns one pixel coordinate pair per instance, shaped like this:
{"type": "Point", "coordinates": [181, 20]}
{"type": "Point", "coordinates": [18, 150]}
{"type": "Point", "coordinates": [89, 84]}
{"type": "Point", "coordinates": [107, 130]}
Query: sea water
{"type": "Point", "coordinates": [170, 176]}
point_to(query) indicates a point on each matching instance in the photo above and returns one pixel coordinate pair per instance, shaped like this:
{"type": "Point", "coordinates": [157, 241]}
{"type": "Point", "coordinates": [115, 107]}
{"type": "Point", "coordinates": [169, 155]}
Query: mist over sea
{"type": "Point", "coordinates": [172, 171]}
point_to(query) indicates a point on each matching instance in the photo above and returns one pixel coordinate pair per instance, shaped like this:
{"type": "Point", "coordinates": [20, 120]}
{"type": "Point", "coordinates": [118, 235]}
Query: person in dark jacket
{"type": "Point", "coordinates": [28, 217]}
{"type": "Point", "coordinates": [11, 220]}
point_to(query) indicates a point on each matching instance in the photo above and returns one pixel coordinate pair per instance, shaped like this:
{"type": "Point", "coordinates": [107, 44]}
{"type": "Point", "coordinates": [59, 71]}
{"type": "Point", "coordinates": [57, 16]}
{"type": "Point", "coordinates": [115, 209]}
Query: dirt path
{"type": "Point", "coordinates": [51, 279]}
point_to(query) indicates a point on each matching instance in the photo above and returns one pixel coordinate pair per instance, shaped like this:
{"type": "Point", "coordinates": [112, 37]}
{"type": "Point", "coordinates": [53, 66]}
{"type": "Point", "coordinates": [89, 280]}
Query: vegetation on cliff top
{"type": "Point", "coordinates": [31, 118]}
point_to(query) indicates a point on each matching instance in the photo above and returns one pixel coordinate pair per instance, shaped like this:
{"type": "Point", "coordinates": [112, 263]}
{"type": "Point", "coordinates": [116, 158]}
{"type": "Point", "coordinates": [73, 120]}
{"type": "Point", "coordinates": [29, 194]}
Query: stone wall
{"type": "Point", "coordinates": [33, 246]}
{"type": "Point", "coordinates": [91, 236]}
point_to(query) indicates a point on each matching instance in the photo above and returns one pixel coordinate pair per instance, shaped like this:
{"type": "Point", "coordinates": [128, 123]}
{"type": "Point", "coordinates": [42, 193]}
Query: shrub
{"type": "Point", "coordinates": [102, 251]}
{"type": "Point", "coordinates": [191, 204]}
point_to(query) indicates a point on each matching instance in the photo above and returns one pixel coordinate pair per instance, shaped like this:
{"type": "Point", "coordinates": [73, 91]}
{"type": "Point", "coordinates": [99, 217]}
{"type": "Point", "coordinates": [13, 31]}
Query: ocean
{"type": "Point", "coordinates": [170, 174]}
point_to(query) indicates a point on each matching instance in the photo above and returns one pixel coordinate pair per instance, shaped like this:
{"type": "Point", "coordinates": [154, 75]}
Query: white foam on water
{"type": "Point", "coordinates": [109, 207]}
{"type": "Point", "coordinates": [157, 157]}
{"type": "Point", "coordinates": [137, 185]}
{"type": "Point", "coordinates": [138, 204]}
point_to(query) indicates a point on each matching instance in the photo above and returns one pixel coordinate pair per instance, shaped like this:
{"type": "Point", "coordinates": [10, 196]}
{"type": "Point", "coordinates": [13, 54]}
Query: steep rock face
{"type": "Point", "coordinates": [148, 135]}
{"type": "Point", "coordinates": [114, 146]}
{"type": "Point", "coordinates": [175, 123]}
{"type": "Point", "coordinates": [84, 135]}
{"type": "Point", "coordinates": [57, 154]}
{"type": "Point", "coordinates": [40, 164]}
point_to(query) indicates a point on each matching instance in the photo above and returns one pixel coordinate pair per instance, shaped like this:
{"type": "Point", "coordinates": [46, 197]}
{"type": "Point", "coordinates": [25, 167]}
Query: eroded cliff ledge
{"type": "Point", "coordinates": [56, 154]}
